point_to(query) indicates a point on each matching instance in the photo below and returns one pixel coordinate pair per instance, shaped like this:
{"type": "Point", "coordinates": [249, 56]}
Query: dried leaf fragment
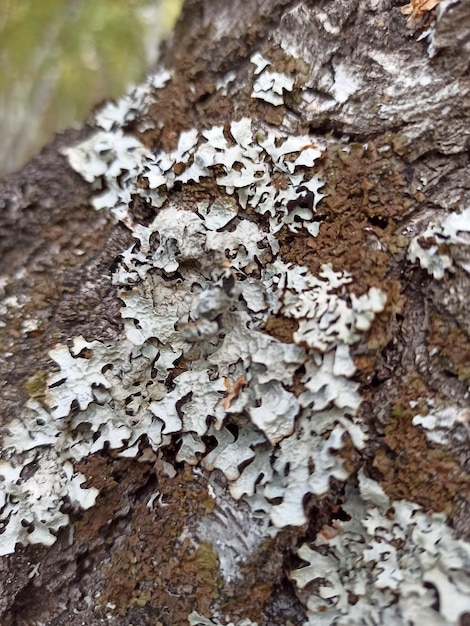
{"type": "Point", "coordinates": [238, 386]}
{"type": "Point", "coordinates": [417, 8]}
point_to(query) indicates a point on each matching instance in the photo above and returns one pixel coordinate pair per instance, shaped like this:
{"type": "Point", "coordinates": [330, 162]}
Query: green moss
{"type": "Point", "coordinates": [36, 384]}
{"type": "Point", "coordinates": [399, 143]}
{"type": "Point", "coordinates": [142, 598]}
{"type": "Point", "coordinates": [397, 411]}
{"type": "Point", "coordinates": [206, 560]}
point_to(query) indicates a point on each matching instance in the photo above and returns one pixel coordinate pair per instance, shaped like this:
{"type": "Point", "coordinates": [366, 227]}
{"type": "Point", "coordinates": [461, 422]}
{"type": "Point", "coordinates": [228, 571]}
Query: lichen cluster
{"type": "Point", "coordinates": [442, 246]}
{"type": "Point", "coordinates": [384, 565]}
{"type": "Point", "coordinates": [198, 373]}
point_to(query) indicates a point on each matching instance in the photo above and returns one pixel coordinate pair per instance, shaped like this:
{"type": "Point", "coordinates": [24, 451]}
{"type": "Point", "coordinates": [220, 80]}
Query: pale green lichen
{"type": "Point", "coordinates": [453, 234]}
{"type": "Point", "coordinates": [269, 86]}
{"type": "Point", "coordinates": [196, 290]}
{"type": "Point", "coordinates": [195, 362]}
{"type": "Point", "coordinates": [390, 563]}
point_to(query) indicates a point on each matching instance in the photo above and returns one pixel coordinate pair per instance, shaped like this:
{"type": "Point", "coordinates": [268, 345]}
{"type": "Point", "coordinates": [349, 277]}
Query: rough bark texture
{"type": "Point", "coordinates": [394, 123]}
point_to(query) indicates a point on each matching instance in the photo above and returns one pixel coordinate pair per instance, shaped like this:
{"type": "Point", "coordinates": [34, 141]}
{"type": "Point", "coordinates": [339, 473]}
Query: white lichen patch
{"type": "Point", "coordinates": [269, 86]}
{"type": "Point", "coordinates": [390, 563]}
{"type": "Point", "coordinates": [126, 109]}
{"type": "Point", "coordinates": [324, 319]}
{"type": "Point", "coordinates": [445, 423]}
{"type": "Point", "coordinates": [196, 371]}
{"type": "Point", "coordinates": [345, 83]}
{"type": "Point", "coordinates": [32, 494]}
{"type": "Point", "coordinates": [454, 234]}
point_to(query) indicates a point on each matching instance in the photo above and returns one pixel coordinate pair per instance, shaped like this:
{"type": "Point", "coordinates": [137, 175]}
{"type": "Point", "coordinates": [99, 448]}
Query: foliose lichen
{"type": "Point", "coordinates": [195, 364]}
{"type": "Point", "coordinates": [443, 245]}
{"type": "Point", "coordinates": [388, 563]}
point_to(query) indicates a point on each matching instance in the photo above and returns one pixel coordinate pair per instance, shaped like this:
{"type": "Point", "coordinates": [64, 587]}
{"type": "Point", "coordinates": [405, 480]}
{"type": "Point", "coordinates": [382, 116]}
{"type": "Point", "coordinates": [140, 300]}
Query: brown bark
{"type": "Point", "coordinates": [394, 122]}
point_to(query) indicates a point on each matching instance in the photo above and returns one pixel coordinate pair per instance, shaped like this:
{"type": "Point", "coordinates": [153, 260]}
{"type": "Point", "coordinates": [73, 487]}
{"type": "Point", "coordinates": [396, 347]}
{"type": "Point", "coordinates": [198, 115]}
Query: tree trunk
{"type": "Point", "coordinates": [235, 340]}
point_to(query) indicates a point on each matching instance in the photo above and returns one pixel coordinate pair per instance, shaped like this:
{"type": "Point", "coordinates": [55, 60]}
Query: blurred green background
{"type": "Point", "coordinates": [60, 57]}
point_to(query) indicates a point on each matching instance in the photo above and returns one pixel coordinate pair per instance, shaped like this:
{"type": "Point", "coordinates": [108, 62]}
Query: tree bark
{"type": "Point", "coordinates": [235, 370]}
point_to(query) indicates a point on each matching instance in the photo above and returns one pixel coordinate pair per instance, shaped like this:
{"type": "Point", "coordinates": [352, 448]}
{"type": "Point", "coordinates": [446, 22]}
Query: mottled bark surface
{"type": "Point", "coordinates": [56, 254]}
{"type": "Point", "coordinates": [395, 125]}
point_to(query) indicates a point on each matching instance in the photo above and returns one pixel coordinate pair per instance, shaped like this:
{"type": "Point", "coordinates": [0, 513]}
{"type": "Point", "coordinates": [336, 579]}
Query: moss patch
{"type": "Point", "coordinates": [411, 467]}
{"type": "Point", "coordinates": [449, 347]}
{"type": "Point", "coordinates": [36, 384]}
{"type": "Point", "coordinates": [147, 557]}
{"type": "Point", "coordinates": [154, 564]}
{"type": "Point", "coordinates": [367, 195]}
{"type": "Point", "coordinates": [281, 328]}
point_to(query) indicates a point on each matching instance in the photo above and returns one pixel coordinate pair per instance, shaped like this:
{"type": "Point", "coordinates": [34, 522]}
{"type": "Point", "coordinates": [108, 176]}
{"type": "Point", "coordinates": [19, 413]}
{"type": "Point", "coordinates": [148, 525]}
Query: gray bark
{"type": "Point", "coordinates": [390, 112]}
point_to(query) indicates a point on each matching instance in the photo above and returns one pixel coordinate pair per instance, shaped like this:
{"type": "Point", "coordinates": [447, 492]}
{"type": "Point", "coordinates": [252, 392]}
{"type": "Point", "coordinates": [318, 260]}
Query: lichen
{"type": "Point", "coordinates": [269, 86]}
{"type": "Point", "coordinates": [243, 297]}
{"type": "Point", "coordinates": [389, 563]}
{"type": "Point", "coordinates": [443, 245]}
